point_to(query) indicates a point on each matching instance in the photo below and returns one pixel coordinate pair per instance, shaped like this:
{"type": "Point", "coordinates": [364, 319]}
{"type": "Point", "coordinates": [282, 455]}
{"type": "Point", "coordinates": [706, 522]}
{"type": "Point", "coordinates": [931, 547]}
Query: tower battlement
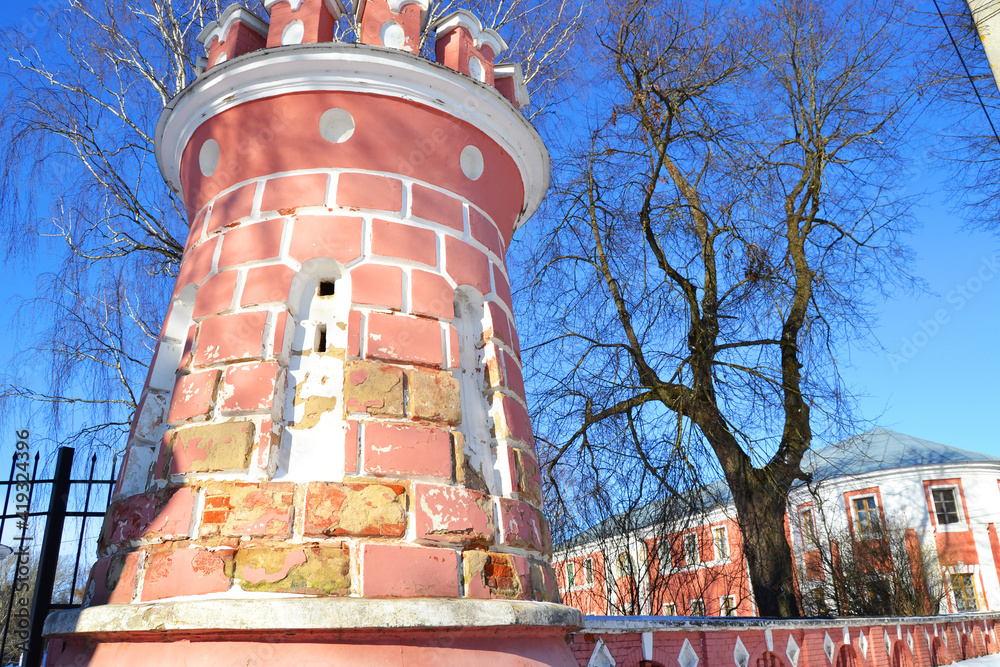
{"type": "Point", "coordinates": [461, 42]}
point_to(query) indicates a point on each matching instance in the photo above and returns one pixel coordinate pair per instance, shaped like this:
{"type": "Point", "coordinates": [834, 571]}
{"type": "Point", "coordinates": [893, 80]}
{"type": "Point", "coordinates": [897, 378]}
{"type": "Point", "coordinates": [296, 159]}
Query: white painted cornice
{"type": "Point", "coordinates": [339, 66]}
{"type": "Point", "coordinates": [231, 15]}
{"type": "Point", "coordinates": [336, 7]}
{"type": "Point", "coordinates": [463, 18]}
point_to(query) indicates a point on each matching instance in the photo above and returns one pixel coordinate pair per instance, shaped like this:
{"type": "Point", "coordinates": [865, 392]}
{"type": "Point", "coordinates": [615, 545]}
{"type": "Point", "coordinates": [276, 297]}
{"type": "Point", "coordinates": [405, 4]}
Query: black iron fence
{"type": "Point", "coordinates": [40, 574]}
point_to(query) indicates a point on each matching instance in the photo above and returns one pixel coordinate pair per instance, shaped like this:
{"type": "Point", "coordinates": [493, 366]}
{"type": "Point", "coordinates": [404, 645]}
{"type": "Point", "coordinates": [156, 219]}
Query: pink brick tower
{"type": "Point", "coordinates": [332, 461]}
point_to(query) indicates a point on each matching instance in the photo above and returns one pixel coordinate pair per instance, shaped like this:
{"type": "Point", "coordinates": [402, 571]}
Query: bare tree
{"type": "Point", "coordinates": [625, 548]}
{"type": "Point", "coordinates": [88, 80]}
{"type": "Point", "coordinates": [717, 239]}
{"type": "Point", "coordinates": [890, 570]}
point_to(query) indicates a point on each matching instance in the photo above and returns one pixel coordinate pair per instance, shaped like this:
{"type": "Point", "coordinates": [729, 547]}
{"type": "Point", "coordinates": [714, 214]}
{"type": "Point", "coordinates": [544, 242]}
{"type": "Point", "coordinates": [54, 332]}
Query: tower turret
{"type": "Point", "coordinates": [333, 444]}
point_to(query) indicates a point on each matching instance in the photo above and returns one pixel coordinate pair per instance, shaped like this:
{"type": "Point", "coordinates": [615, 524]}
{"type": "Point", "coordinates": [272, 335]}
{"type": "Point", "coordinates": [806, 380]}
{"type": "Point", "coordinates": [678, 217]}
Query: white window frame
{"type": "Point", "coordinates": [725, 540]}
{"type": "Point", "coordinates": [731, 599]}
{"type": "Point", "coordinates": [570, 575]}
{"type": "Point", "coordinates": [700, 602]}
{"type": "Point", "coordinates": [861, 534]}
{"type": "Point", "coordinates": [588, 572]}
{"type": "Point", "coordinates": [688, 561]}
{"type": "Point", "coordinates": [811, 542]}
{"type": "Point", "coordinates": [961, 524]}
{"type": "Point", "coordinates": [975, 590]}
{"type": "Point", "coordinates": [669, 608]}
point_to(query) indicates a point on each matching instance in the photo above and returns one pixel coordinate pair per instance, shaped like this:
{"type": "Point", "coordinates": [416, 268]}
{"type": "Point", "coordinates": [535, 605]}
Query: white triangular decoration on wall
{"type": "Point", "coordinates": [792, 651]}
{"type": "Point", "coordinates": [888, 642]}
{"type": "Point", "coordinates": [909, 640]}
{"type": "Point", "coordinates": [741, 656]}
{"type": "Point", "coordinates": [601, 657]}
{"type": "Point", "coordinates": [863, 643]}
{"type": "Point", "coordinates": [687, 657]}
{"type": "Point", "coordinates": [828, 647]}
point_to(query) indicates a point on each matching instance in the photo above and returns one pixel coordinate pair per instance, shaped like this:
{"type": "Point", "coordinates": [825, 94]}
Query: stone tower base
{"type": "Point", "coordinates": [313, 631]}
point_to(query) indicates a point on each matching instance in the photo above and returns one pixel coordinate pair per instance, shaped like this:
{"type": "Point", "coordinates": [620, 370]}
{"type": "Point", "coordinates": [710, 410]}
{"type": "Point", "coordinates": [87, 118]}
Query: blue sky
{"type": "Point", "coordinates": [937, 377]}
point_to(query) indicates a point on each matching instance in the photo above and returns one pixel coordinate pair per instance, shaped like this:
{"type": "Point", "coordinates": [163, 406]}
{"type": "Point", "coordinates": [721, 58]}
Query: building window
{"type": "Point", "coordinates": [570, 576]}
{"type": "Point", "coordinates": [808, 527]}
{"type": "Point", "coordinates": [727, 606]}
{"type": "Point", "coordinates": [945, 505]}
{"type": "Point", "coordinates": [721, 543]}
{"type": "Point", "coordinates": [965, 592]}
{"type": "Point", "coordinates": [819, 601]}
{"type": "Point", "coordinates": [866, 513]}
{"type": "Point", "coordinates": [666, 559]}
{"type": "Point", "coordinates": [697, 607]}
{"type": "Point", "coordinates": [691, 549]}
{"type": "Point", "coordinates": [669, 609]}
{"type": "Point", "coordinates": [624, 565]}
{"type": "Point", "coordinates": [588, 572]}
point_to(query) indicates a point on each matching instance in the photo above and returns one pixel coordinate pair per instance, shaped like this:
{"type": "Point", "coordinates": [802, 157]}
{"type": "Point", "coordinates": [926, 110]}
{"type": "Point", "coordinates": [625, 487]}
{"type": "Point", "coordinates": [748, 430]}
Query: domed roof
{"type": "Point", "coordinates": [883, 449]}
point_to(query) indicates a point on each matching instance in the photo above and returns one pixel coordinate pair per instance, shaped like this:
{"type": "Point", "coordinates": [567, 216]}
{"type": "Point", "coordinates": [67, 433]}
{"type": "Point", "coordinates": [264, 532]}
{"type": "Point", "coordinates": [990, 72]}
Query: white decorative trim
{"type": "Point", "coordinates": [741, 656]}
{"type": "Point", "coordinates": [601, 657]}
{"type": "Point", "coordinates": [233, 13]}
{"type": "Point", "coordinates": [514, 71]}
{"type": "Point", "coordinates": [792, 651]}
{"type": "Point", "coordinates": [463, 18]}
{"type": "Point", "coordinates": [647, 646]}
{"type": "Point", "coordinates": [397, 5]}
{"type": "Point", "coordinates": [338, 66]}
{"type": "Point", "coordinates": [336, 7]}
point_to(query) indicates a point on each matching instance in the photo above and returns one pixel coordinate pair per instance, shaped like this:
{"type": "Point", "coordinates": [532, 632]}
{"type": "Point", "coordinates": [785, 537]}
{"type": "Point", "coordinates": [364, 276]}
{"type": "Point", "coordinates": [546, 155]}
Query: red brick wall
{"type": "Point", "coordinates": [923, 642]}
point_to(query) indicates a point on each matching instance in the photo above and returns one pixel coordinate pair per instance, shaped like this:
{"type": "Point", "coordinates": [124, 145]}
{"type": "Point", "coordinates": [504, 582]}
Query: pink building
{"type": "Point", "coordinates": [909, 515]}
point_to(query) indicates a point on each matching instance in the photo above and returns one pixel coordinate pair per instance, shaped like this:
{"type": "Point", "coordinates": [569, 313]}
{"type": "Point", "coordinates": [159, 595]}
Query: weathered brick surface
{"type": "Point", "coordinates": [157, 514]}
{"type": "Point", "coordinates": [376, 389]}
{"type": "Point", "coordinates": [249, 509]}
{"type": "Point", "coordinates": [354, 509]}
{"type": "Point", "coordinates": [393, 571]}
{"type": "Point", "coordinates": [191, 571]}
{"type": "Point", "coordinates": [433, 395]}
{"type": "Point", "coordinates": [496, 575]}
{"type": "Point", "coordinates": [112, 579]}
{"type": "Point", "coordinates": [231, 338]}
{"type": "Point", "coordinates": [454, 515]}
{"type": "Point", "coordinates": [401, 338]}
{"type": "Point", "coordinates": [287, 193]}
{"type": "Point", "coordinates": [511, 420]}
{"type": "Point", "coordinates": [251, 242]}
{"type": "Point", "coordinates": [522, 525]}
{"type": "Point", "coordinates": [308, 569]}
{"type": "Point", "coordinates": [249, 387]}
{"type": "Point", "coordinates": [231, 206]}
{"type": "Point", "coordinates": [407, 450]}
{"type": "Point", "coordinates": [193, 396]}
{"type": "Point", "coordinates": [544, 586]}
{"type": "Point", "coordinates": [212, 447]}
{"type": "Point", "coordinates": [527, 475]}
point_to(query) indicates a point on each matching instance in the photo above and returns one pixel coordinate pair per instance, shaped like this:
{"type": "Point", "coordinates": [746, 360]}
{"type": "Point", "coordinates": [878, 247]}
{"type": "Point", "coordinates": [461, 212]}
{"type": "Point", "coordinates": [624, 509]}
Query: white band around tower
{"type": "Point", "coordinates": [341, 66]}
